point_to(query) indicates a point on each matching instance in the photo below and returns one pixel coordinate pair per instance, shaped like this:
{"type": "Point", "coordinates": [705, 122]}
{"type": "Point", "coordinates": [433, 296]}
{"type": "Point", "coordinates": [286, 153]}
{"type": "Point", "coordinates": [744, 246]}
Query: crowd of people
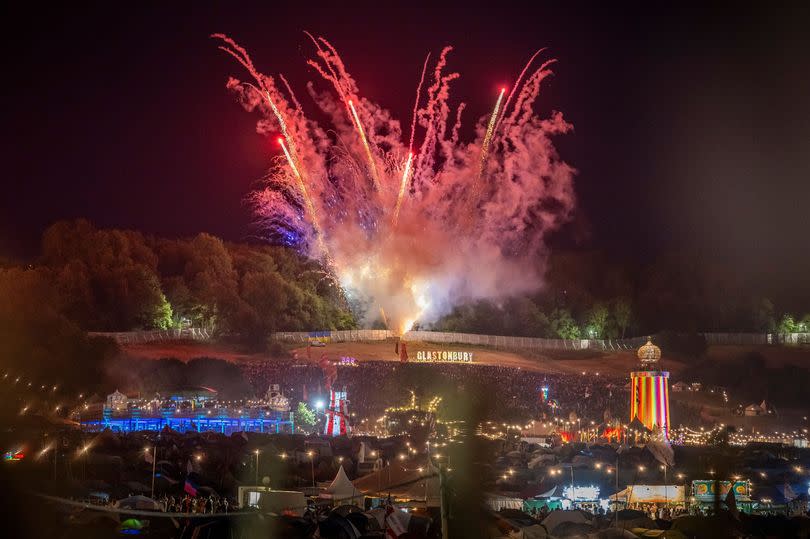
{"type": "Point", "coordinates": [511, 394]}
{"type": "Point", "coordinates": [195, 504]}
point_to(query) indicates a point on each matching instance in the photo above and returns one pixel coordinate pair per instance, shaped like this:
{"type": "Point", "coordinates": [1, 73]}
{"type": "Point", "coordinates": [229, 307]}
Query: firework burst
{"type": "Point", "coordinates": [410, 229]}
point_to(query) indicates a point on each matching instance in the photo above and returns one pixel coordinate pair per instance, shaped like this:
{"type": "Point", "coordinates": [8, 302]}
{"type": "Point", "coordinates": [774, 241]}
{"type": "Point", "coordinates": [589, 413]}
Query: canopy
{"type": "Point", "coordinates": [651, 494]}
{"type": "Point", "coordinates": [403, 481]}
{"type": "Point", "coordinates": [138, 502]}
{"type": "Point", "coordinates": [342, 488]}
{"type": "Point", "coordinates": [497, 502]}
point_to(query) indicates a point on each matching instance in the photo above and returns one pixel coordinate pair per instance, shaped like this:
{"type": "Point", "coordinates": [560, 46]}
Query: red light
{"type": "Point", "coordinates": [503, 89]}
{"type": "Point", "coordinates": [280, 141]}
{"type": "Point", "coordinates": [350, 102]}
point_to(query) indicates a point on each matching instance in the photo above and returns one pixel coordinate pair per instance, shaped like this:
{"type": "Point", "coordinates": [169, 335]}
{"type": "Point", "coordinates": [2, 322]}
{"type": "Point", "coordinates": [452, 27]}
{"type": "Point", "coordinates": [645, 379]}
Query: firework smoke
{"type": "Point", "coordinates": [411, 232]}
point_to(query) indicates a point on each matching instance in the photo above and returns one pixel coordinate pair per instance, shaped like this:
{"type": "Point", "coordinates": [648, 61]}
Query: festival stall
{"type": "Point", "coordinates": [705, 491]}
{"type": "Point", "coordinates": [647, 496]}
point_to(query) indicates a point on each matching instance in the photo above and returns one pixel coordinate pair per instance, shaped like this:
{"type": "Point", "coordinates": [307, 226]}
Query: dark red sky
{"type": "Point", "coordinates": [692, 124]}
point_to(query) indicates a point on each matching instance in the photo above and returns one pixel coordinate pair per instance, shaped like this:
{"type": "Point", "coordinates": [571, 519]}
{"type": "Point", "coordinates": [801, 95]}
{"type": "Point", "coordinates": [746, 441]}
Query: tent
{"type": "Point", "coordinates": [343, 491]}
{"type": "Point", "coordinates": [651, 494]}
{"type": "Point", "coordinates": [497, 502]}
{"type": "Point", "coordinates": [403, 481]}
{"type": "Point", "coordinates": [555, 518]}
{"type": "Point", "coordinates": [141, 503]}
{"type": "Point", "coordinates": [536, 531]}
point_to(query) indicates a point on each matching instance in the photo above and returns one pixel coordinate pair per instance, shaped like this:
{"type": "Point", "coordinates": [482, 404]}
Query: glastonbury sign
{"type": "Point", "coordinates": [444, 356]}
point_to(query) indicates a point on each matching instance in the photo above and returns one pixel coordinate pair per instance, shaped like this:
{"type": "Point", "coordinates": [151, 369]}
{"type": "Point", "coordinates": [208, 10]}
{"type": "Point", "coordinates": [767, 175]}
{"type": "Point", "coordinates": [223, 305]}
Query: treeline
{"type": "Point", "coordinates": [117, 280]}
{"type": "Point", "coordinates": [88, 279]}
{"type": "Point", "coordinates": [591, 295]}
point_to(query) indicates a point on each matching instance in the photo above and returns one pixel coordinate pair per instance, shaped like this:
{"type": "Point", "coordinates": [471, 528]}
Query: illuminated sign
{"type": "Point", "coordinates": [347, 362]}
{"type": "Point", "coordinates": [444, 356]}
{"type": "Point", "coordinates": [705, 489]}
{"type": "Point", "coordinates": [588, 493]}
{"type": "Point", "coordinates": [14, 455]}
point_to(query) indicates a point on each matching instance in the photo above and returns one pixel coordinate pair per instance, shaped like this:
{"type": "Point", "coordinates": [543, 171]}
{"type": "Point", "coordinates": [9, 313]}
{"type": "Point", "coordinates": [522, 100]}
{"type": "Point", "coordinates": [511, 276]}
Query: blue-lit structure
{"type": "Point", "coordinates": [220, 420]}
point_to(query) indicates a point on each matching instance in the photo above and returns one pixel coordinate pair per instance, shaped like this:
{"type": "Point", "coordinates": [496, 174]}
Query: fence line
{"type": "Point", "coordinates": [441, 337]}
{"type": "Point", "coordinates": [494, 341]}
{"type": "Point", "coordinates": [135, 337]}
{"type": "Point", "coordinates": [534, 343]}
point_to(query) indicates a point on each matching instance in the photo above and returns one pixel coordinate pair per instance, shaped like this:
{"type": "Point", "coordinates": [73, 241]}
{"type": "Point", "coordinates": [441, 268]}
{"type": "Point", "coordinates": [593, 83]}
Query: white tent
{"type": "Point", "coordinates": [342, 490]}
{"type": "Point", "coordinates": [497, 502]}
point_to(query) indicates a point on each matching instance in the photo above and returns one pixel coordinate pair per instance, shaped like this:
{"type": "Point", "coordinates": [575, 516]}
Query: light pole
{"type": "Point", "coordinates": [154, 465]}
{"type": "Point", "coordinates": [311, 455]}
{"type": "Point", "coordinates": [82, 455]}
{"type": "Point", "coordinates": [257, 466]}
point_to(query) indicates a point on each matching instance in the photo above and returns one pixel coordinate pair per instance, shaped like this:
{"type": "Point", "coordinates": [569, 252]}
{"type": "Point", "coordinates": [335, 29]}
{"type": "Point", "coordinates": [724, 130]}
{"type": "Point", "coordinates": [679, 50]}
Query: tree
{"type": "Point", "coordinates": [622, 313]}
{"type": "Point", "coordinates": [304, 416]}
{"type": "Point", "coordinates": [787, 325]}
{"type": "Point", "coordinates": [597, 321]}
{"type": "Point", "coordinates": [562, 325]}
{"type": "Point", "coordinates": [764, 316]}
{"type": "Point", "coordinates": [162, 317]}
{"type": "Point", "coordinates": [212, 281]}
{"type": "Point", "coordinates": [106, 278]}
{"type": "Point", "coordinates": [523, 318]}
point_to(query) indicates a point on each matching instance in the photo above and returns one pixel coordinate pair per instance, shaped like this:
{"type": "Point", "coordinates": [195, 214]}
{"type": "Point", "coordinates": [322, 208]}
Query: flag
{"type": "Point", "coordinates": [189, 488]}
{"type": "Point", "coordinates": [396, 522]}
{"type": "Point", "coordinates": [662, 452]}
{"type": "Point", "coordinates": [305, 396]}
{"type": "Point", "coordinates": [147, 456]}
{"type": "Point", "coordinates": [189, 467]}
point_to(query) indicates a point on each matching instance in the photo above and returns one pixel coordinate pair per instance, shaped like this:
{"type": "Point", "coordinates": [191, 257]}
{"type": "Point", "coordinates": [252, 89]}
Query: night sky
{"type": "Point", "coordinates": [692, 124]}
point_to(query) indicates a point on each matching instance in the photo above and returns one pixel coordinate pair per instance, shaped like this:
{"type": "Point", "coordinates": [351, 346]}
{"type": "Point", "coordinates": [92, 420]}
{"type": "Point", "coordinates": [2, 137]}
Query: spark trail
{"type": "Point", "coordinates": [402, 187]}
{"type": "Point", "coordinates": [488, 139]}
{"type": "Point", "coordinates": [371, 165]}
{"type": "Point", "coordinates": [390, 222]}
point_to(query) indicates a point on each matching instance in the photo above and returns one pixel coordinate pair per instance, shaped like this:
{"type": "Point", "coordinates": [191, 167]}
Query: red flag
{"type": "Point", "coordinates": [403, 352]}
{"type": "Point", "coordinates": [189, 488]}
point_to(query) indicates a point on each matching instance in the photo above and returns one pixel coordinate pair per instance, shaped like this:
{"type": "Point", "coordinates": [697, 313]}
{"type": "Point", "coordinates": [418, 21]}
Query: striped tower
{"type": "Point", "coordinates": [337, 414]}
{"type": "Point", "coordinates": [649, 391]}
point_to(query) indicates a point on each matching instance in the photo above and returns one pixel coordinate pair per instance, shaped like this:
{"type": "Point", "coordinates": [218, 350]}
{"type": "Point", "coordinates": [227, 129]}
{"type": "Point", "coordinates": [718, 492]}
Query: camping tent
{"type": "Point", "coordinates": [141, 503]}
{"type": "Point", "coordinates": [555, 518]}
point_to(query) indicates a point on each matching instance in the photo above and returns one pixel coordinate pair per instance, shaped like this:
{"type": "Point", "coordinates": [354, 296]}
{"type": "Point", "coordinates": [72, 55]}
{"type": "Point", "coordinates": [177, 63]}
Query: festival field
{"type": "Point", "coordinates": [561, 362]}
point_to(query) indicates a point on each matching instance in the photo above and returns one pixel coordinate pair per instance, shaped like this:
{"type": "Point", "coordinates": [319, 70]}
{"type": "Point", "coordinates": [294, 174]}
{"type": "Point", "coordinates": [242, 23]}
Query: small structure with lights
{"type": "Point", "coordinates": [649, 392]}
{"type": "Point", "coordinates": [117, 401]}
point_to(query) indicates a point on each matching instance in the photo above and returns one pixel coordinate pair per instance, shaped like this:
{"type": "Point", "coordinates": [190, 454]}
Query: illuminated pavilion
{"type": "Point", "coordinates": [649, 391]}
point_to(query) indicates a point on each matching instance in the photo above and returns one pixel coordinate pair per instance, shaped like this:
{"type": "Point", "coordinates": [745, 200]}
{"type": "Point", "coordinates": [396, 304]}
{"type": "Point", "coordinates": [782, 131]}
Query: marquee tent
{"type": "Point", "coordinates": [342, 490]}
